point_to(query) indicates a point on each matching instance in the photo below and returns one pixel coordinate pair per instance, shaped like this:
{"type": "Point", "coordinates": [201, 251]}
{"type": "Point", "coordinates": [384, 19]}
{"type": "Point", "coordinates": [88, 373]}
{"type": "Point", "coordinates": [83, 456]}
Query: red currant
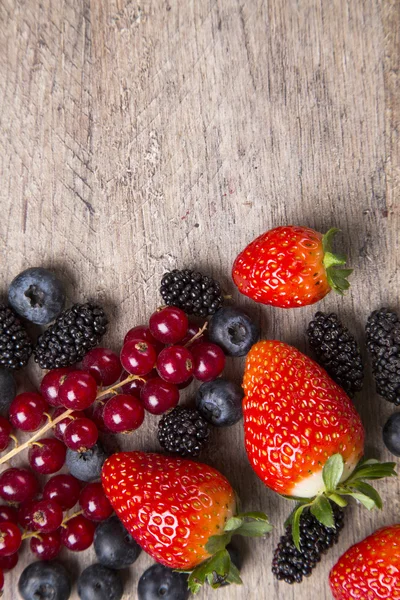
{"type": "Point", "coordinates": [77, 533]}
{"type": "Point", "coordinates": [168, 325]}
{"type": "Point", "coordinates": [78, 390]}
{"type": "Point", "coordinates": [25, 513]}
{"type": "Point", "coordinates": [123, 413]}
{"type": "Point", "coordinates": [95, 414]}
{"type": "Point", "coordinates": [81, 434]}
{"type": "Point", "coordinates": [141, 332]}
{"type": "Point", "coordinates": [138, 357]}
{"type": "Point", "coordinates": [47, 546]}
{"type": "Point", "coordinates": [5, 430]}
{"type": "Point", "coordinates": [50, 385]}
{"type": "Point", "coordinates": [47, 456]}
{"type": "Point", "coordinates": [175, 364]}
{"type": "Point", "coordinates": [185, 384]}
{"type": "Point", "coordinates": [27, 411]}
{"type": "Point", "coordinates": [62, 425]}
{"type": "Point", "coordinates": [8, 513]}
{"type": "Point", "coordinates": [63, 489]}
{"type": "Point", "coordinates": [47, 515]}
{"type": "Point", "coordinates": [9, 562]}
{"type": "Point", "coordinates": [10, 538]}
{"type": "Point", "coordinates": [209, 361]}
{"type": "Point", "coordinates": [103, 364]}
{"type": "Point", "coordinates": [94, 502]}
{"type": "Point", "coordinates": [18, 485]}
{"type": "Point", "coordinates": [158, 396]}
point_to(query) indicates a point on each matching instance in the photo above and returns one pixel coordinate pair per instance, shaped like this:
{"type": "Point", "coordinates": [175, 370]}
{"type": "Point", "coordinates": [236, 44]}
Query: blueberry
{"type": "Point", "coordinates": [220, 402]}
{"type": "Point", "coordinates": [391, 434]}
{"type": "Point", "coordinates": [86, 466]}
{"type": "Point", "coordinates": [160, 582]}
{"type": "Point", "coordinates": [114, 546]}
{"type": "Point", "coordinates": [98, 582]}
{"type": "Point", "coordinates": [8, 389]}
{"type": "Point", "coordinates": [45, 581]}
{"type": "Point", "coordinates": [233, 330]}
{"type": "Point", "coordinates": [37, 295]}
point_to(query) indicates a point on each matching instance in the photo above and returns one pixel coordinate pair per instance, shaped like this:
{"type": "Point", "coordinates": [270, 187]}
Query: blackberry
{"type": "Point", "coordinates": [75, 332]}
{"type": "Point", "coordinates": [336, 351]}
{"type": "Point", "coordinates": [15, 344]}
{"type": "Point", "coordinates": [193, 292]}
{"type": "Point", "coordinates": [183, 431]}
{"type": "Point", "coordinates": [288, 563]}
{"type": "Point", "coordinates": [383, 343]}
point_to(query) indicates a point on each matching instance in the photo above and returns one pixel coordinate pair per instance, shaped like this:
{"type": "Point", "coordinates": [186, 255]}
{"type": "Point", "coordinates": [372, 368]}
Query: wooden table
{"type": "Point", "coordinates": [139, 137]}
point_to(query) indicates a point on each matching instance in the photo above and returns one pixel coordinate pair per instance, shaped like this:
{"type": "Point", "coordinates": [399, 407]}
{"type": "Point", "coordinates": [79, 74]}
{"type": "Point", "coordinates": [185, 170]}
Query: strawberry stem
{"type": "Point", "coordinates": [337, 491]}
{"type": "Point", "coordinates": [337, 278]}
{"type": "Point", "coordinates": [219, 568]}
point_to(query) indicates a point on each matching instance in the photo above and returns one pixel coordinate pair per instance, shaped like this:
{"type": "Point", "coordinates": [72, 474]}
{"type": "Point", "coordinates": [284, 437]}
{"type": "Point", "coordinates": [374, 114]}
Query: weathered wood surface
{"type": "Point", "coordinates": [136, 137]}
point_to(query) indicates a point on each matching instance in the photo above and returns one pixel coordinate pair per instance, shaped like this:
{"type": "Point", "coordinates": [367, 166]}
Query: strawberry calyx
{"type": "Point", "coordinates": [219, 569]}
{"type": "Point", "coordinates": [354, 486]}
{"type": "Point", "coordinates": [337, 278]}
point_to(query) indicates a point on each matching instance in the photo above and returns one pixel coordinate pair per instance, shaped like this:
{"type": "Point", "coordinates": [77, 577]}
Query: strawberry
{"type": "Point", "coordinates": [369, 570]}
{"type": "Point", "coordinates": [295, 418]}
{"type": "Point", "coordinates": [303, 436]}
{"type": "Point", "coordinates": [290, 267]}
{"type": "Point", "coordinates": [181, 512]}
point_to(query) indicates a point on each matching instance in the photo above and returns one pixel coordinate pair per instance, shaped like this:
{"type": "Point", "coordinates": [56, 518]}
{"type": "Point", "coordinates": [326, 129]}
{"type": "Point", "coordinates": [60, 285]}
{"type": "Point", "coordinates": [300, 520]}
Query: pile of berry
{"type": "Point", "coordinates": [90, 392]}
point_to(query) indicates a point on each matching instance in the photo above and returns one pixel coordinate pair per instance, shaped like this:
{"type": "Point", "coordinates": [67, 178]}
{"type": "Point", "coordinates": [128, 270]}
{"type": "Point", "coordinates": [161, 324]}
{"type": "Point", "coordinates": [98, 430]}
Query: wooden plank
{"type": "Point", "coordinates": [137, 137]}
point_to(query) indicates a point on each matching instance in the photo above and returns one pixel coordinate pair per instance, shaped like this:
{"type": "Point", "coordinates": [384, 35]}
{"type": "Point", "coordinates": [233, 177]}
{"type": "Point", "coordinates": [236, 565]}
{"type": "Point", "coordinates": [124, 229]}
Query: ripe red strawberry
{"type": "Point", "coordinates": [295, 418]}
{"type": "Point", "coordinates": [177, 510]}
{"type": "Point", "coordinates": [369, 570]}
{"type": "Point", "coordinates": [290, 267]}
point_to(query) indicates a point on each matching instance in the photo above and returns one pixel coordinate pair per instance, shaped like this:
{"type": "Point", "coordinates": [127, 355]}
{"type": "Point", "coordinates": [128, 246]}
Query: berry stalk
{"type": "Point", "coordinates": [52, 422]}
{"type": "Point", "coordinates": [197, 335]}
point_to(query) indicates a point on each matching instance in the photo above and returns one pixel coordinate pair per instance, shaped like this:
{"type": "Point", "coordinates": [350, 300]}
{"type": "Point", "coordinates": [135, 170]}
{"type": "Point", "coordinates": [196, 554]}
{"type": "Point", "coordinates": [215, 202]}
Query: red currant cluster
{"type": "Point", "coordinates": [42, 517]}
{"type": "Point", "coordinates": [166, 356]}
{"type": "Point", "coordinates": [109, 394]}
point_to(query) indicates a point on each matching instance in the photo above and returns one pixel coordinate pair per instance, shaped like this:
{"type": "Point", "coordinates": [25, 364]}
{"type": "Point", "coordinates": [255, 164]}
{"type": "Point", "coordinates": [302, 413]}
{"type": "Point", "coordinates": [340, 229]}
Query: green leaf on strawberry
{"type": "Point", "coordinates": [252, 524]}
{"type": "Point", "coordinates": [296, 525]}
{"type": "Point", "coordinates": [365, 500]}
{"type": "Point", "coordinates": [254, 529]}
{"type": "Point", "coordinates": [368, 491]}
{"type": "Point", "coordinates": [333, 471]}
{"type": "Point", "coordinates": [218, 542]}
{"type": "Point", "coordinates": [233, 575]}
{"type": "Point", "coordinates": [339, 500]}
{"type": "Point", "coordinates": [233, 523]}
{"type": "Point", "coordinates": [337, 278]}
{"type": "Point", "coordinates": [322, 511]}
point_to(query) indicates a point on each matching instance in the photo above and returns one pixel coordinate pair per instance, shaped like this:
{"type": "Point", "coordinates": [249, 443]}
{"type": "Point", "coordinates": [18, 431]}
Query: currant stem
{"type": "Point", "coordinates": [197, 335]}
{"type": "Point", "coordinates": [111, 390]}
{"type": "Point", "coordinates": [79, 512]}
{"type": "Point", "coordinates": [16, 442]}
{"type": "Point", "coordinates": [52, 422]}
{"type": "Point", "coordinates": [26, 536]}
{"type": "Point", "coordinates": [36, 436]}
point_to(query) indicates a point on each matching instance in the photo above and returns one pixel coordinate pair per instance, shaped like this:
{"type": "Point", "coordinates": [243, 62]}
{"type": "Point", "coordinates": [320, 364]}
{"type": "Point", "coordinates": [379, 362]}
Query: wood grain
{"type": "Point", "coordinates": [136, 137]}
